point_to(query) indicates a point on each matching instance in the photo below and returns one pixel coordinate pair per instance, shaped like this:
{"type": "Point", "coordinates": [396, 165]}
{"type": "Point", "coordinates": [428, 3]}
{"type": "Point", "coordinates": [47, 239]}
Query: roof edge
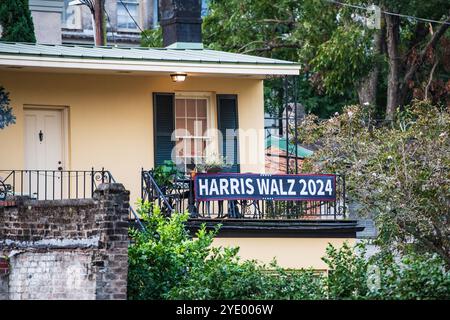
{"type": "Point", "coordinates": [56, 62]}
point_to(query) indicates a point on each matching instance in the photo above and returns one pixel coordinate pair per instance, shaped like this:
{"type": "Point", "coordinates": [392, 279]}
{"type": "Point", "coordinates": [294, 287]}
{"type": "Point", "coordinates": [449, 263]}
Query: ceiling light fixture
{"type": "Point", "coordinates": [178, 77]}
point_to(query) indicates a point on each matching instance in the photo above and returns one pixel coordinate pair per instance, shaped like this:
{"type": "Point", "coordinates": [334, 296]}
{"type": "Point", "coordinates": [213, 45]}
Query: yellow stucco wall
{"type": "Point", "coordinates": [291, 253]}
{"type": "Point", "coordinates": [111, 117]}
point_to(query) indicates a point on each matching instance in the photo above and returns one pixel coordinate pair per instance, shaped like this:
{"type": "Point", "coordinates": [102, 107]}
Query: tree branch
{"type": "Point", "coordinates": [415, 66]}
{"type": "Point", "coordinates": [270, 47]}
{"type": "Point", "coordinates": [430, 78]}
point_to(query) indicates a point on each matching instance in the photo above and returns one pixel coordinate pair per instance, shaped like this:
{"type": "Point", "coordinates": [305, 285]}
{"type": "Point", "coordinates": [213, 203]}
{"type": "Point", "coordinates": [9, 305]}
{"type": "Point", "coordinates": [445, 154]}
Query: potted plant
{"type": "Point", "coordinates": [165, 174]}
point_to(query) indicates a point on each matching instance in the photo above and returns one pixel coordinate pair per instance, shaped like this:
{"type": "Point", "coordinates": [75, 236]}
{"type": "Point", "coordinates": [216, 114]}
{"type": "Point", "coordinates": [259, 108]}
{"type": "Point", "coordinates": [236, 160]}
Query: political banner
{"type": "Point", "coordinates": [239, 186]}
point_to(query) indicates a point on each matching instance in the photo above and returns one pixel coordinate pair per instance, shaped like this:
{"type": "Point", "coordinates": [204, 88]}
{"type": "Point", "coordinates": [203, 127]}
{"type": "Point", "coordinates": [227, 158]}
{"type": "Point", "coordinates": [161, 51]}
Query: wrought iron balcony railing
{"type": "Point", "coordinates": [56, 185]}
{"type": "Point", "coordinates": [179, 196]}
{"type": "Point", "coordinates": [52, 184]}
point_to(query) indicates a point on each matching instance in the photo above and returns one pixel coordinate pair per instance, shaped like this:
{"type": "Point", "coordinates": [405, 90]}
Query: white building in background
{"type": "Point", "coordinates": [125, 20]}
{"type": "Point", "coordinates": [57, 22]}
{"type": "Point", "coordinates": [46, 16]}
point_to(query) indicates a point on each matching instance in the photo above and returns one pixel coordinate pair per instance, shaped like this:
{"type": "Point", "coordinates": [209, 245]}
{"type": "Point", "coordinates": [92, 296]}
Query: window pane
{"type": "Point", "coordinates": [188, 147]}
{"type": "Point", "coordinates": [126, 15]}
{"type": "Point", "coordinates": [191, 116]}
{"type": "Point", "coordinates": [200, 148]}
{"type": "Point", "coordinates": [179, 148]}
{"type": "Point", "coordinates": [190, 108]}
{"type": "Point", "coordinates": [180, 124]}
{"type": "Point", "coordinates": [201, 108]}
{"type": "Point", "coordinates": [179, 106]}
{"type": "Point", "coordinates": [204, 127]}
{"type": "Point", "coordinates": [200, 127]}
{"type": "Point", "coordinates": [190, 126]}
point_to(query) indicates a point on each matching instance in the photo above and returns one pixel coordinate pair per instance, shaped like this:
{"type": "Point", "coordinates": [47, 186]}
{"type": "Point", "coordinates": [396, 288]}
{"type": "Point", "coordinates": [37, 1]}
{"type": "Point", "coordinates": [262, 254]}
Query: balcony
{"type": "Point", "coordinates": [255, 217]}
{"type": "Point", "coordinates": [179, 196]}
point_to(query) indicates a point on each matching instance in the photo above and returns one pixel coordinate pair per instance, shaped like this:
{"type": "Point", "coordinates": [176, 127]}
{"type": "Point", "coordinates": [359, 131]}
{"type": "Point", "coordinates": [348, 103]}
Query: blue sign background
{"type": "Point", "coordinates": [239, 186]}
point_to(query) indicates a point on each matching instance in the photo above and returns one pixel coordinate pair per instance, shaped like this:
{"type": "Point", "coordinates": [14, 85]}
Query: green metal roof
{"type": "Point", "coordinates": [136, 53]}
{"type": "Point", "coordinates": [280, 143]}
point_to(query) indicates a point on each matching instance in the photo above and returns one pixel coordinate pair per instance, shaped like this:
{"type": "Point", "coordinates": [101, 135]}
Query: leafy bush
{"type": "Point", "coordinates": [167, 263]}
{"type": "Point", "coordinates": [347, 278]}
{"type": "Point", "coordinates": [354, 276]}
{"type": "Point", "coordinates": [223, 276]}
{"type": "Point", "coordinates": [160, 258]}
{"type": "Point", "coordinates": [413, 277]}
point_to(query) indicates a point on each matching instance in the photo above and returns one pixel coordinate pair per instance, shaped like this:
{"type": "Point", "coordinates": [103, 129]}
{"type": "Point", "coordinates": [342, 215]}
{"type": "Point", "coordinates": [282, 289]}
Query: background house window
{"type": "Point", "coordinates": [191, 124]}
{"type": "Point", "coordinates": [71, 16]}
{"type": "Point", "coordinates": [127, 10]}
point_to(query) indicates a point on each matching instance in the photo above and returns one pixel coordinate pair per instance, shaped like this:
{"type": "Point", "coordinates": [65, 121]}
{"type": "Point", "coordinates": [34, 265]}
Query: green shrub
{"type": "Point", "coordinates": [413, 277]}
{"type": "Point", "coordinates": [225, 277]}
{"type": "Point", "coordinates": [166, 262]}
{"type": "Point", "coordinates": [353, 276]}
{"type": "Point", "coordinates": [161, 257]}
{"type": "Point", "coordinates": [347, 277]}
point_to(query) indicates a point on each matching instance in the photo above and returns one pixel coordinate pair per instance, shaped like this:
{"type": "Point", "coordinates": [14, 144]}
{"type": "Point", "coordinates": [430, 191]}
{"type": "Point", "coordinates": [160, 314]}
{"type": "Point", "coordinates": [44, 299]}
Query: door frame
{"type": "Point", "coordinates": [64, 127]}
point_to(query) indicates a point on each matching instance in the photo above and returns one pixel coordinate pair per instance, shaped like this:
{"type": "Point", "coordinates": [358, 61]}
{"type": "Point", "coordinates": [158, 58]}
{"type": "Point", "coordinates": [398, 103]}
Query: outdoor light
{"type": "Point", "coordinates": [178, 77]}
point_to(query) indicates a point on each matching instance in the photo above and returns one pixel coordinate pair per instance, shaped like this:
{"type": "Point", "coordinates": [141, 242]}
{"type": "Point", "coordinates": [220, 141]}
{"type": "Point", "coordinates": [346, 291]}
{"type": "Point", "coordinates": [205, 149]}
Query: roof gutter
{"type": "Point", "coordinates": [148, 65]}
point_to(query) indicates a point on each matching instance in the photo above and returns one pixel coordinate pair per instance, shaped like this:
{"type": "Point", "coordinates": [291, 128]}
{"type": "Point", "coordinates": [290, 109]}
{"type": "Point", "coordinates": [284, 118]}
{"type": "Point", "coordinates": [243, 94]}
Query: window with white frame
{"type": "Point", "coordinates": [191, 125]}
{"type": "Point", "coordinates": [71, 16]}
{"type": "Point", "coordinates": [127, 15]}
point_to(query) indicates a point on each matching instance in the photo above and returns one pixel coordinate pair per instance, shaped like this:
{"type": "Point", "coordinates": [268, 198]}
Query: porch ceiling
{"type": "Point", "coordinates": [140, 60]}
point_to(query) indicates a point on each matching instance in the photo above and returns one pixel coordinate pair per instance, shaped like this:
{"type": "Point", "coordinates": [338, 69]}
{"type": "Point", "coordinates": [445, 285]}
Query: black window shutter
{"type": "Point", "coordinates": [163, 124]}
{"type": "Point", "coordinates": [227, 113]}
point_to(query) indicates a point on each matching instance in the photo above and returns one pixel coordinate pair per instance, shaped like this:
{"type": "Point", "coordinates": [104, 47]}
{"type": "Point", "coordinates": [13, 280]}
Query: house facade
{"type": "Point", "coordinates": [124, 21]}
{"type": "Point", "coordinates": [126, 110]}
{"type": "Point", "coordinates": [66, 22]}
{"type": "Point", "coordinates": [69, 22]}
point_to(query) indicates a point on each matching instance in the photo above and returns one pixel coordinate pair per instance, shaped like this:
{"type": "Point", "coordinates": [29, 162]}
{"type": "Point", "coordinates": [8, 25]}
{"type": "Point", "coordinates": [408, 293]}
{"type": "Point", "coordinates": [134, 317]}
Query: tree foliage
{"type": "Point", "coordinates": [16, 21]}
{"type": "Point", "coordinates": [285, 30]}
{"type": "Point", "coordinates": [397, 173]}
{"type": "Point", "coordinates": [343, 61]}
{"type": "Point", "coordinates": [6, 115]}
{"type": "Point", "coordinates": [166, 262]}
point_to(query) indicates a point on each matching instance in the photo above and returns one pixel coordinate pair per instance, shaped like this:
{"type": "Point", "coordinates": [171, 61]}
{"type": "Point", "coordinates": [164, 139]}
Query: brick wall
{"type": "Point", "coordinates": [66, 249]}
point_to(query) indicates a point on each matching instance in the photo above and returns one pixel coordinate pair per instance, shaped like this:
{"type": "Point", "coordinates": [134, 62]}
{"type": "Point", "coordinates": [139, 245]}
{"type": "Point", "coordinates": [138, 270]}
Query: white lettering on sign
{"type": "Point", "coordinates": [291, 191]}
{"type": "Point", "coordinates": [249, 185]}
{"type": "Point", "coordinates": [263, 186]}
{"type": "Point", "coordinates": [267, 187]}
{"type": "Point", "coordinates": [223, 186]}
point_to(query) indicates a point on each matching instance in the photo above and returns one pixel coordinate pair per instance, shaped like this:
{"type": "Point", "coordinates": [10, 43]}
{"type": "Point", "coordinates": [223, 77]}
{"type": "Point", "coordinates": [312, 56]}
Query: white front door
{"type": "Point", "coordinates": [44, 137]}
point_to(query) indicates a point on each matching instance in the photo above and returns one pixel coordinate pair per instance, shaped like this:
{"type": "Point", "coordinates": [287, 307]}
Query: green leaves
{"type": "Point", "coordinates": [353, 275]}
{"type": "Point", "coordinates": [160, 258]}
{"type": "Point", "coordinates": [344, 59]}
{"type": "Point", "coordinates": [166, 173]}
{"type": "Point", "coordinates": [15, 18]}
{"type": "Point", "coordinates": [152, 38]}
{"type": "Point", "coordinates": [166, 262]}
{"type": "Point", "coordinates": [396, 173]}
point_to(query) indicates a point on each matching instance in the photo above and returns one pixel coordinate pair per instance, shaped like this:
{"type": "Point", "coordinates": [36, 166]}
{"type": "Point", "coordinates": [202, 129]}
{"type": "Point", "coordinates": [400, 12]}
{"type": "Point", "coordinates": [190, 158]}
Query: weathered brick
{"type": "Point", "coordinates": [75, 272]}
